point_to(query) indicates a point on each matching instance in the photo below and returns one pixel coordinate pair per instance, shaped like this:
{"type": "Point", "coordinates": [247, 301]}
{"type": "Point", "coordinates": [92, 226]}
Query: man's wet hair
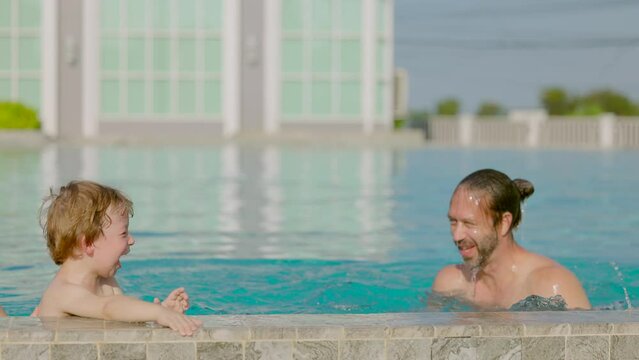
{"type": "Point", "coordinates": [503, 194]}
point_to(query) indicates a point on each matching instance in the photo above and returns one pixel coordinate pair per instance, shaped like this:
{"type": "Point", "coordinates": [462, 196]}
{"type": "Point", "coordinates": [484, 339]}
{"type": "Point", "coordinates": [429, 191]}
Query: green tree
{"type": "Point", "coordinates": [556, 101]}
{"type": "Point", "coordinates": [448, 107]}
{"type": "Point", "coordinates": [489, 108]}
{"type": "Point", "coordinates": [609, 101]}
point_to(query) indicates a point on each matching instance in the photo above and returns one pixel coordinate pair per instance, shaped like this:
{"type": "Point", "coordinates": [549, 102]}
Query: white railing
{"type": "Point", "coordinates": [573, 132]}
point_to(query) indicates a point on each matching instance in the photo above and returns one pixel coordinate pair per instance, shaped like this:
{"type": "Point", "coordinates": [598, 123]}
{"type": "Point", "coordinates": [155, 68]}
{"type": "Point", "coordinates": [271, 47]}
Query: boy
{"type": "Point", "coordinates": [86, 229]}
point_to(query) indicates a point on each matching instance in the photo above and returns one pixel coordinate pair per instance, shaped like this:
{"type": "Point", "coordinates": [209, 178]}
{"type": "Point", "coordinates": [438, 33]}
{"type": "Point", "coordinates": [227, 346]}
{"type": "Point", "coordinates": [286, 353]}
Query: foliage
{"type": "Point", "coordinates": [14, 115]}
{"type": "Point", "coordinates": [448, 107]}
{"type": "Point", "coordinates": [489, 108]}
{"type": "Point", "coordinates": [556, 101]}
{"type": "Point", "coordinates": [610, 101]}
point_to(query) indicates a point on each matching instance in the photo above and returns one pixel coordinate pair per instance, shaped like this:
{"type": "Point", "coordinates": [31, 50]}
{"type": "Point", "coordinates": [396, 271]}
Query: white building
{"type": "Point", "coordinates": [132, 67]}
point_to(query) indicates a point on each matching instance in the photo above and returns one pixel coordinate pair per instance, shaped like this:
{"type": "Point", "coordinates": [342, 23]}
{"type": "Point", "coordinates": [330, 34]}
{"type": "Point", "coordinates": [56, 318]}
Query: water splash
{"type": "Point", "coordinates": [621, 280]}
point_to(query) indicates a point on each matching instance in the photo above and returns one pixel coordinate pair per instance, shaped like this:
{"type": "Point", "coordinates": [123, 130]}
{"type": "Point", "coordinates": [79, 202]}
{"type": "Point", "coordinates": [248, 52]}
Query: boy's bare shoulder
{"type": "Point", "coordinates": [61, 296]}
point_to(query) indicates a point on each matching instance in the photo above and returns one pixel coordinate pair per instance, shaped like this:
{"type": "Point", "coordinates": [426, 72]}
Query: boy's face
{"type": "Point", "coordinates": [114, 242]}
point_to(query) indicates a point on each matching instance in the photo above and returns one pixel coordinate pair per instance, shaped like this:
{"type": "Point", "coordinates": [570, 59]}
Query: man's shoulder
{"type": "Point", "coordinates": [550, 278]}
{"type": "Point", "coordinates": [551, 272]}
{"type": "Point", "coordinates": [449, 279]}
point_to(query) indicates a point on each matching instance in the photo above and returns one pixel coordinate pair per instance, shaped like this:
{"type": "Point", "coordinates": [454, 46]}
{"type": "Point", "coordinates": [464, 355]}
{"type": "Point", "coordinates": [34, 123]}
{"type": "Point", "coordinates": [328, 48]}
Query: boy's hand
{"type": "Point", "coordinates": [181, 323]}
{"type": "Point", "coordinates": [178, 300]}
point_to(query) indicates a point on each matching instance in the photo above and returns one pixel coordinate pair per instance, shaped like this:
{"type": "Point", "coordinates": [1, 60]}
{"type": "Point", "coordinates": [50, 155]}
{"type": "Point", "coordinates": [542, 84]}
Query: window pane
{"type": "Point", "coordinates": [135, 54]}
{"type": "Point", "coordinates": [292, 98]}
{"type": "Point", "coordinates": [351, 53]}
{"type": "Point", "coordinates": [29, 54]}
{"type": "Point", "coordinates": [161, 55]}
{"type": "Point", "coordinates": [186, 90]}
{"type": "Point", "coordinates": [381, 16]}
{"type": "Point", "coordinates": [5, 50]}
{"type": "Point", "coordinates": [186, 14]}
{"type": "Point", "coordinates": [161, 14]}
{"type": "Point", "coordinates": [110, 54]}
{"type": "Point", "coordinates": [110, 14]}
{"type": "Point", "coordinates": [212, 97]}
{"type": "Point", "coordinates": [350, 98]}
{"type": "Point", "coordinates": [351, 16]}
{"type": "Point", "coordinates": [186, 51]}
{"type": "Point", "coordinates": [322, 15]}
{"type": "Point", "coordinates": [110, 96]}
{"type": "Point", "coordinates": [5, 89]}
{"type": "Point", "coordinates": [135, 98]}
{"type": "Point", "coordinates": [136, 14]}
{"type": "Point", "coordinates": [321, 102]}
{"type": "Point", "coordinates": [212, 14]}
{"type": "Point", "coordinates": [29, 13]}
{"type": "Point", "coordinates": [29, 92]}
{"type": "Point", "coordinates": [322, 56]}
{"type": "Point", "coordinates": [5, 13]}
{"type": "Point", "coordinates": [292, 56]}
{"type": "Point", "coordinates": [380, 65]}
{"type": "Point", "coordinates": [161, 97]}
{"type": "Point", "coordinates": [292, 15]}
{"type": "Point", "coordinates": [212, 56]}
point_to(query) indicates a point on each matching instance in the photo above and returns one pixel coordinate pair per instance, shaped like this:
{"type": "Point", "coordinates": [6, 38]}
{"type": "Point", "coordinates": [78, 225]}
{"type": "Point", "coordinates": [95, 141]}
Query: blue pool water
{"type": "Point", "coordinates": [293, 229]}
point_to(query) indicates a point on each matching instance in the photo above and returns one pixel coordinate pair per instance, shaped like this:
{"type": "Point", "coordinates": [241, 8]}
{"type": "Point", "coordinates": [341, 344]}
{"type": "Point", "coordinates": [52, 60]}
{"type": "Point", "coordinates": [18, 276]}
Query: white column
{"type": "Point", "coordinates": [368, 64]}
{"type": "Point", "coordinates": [231, 65]}
{"type": "Point", "coordinates": [272, 70]}
{"type": "Point", "coordinates": [466, 129]}
{"type": "Point", "coordinates": [90, 67]}
{"type": "Point", "coordinates": [607, 124]}
{"type": "Point", "coordinates": [390, 65]}
{"type": "Point", "coordinates": [49, 61]}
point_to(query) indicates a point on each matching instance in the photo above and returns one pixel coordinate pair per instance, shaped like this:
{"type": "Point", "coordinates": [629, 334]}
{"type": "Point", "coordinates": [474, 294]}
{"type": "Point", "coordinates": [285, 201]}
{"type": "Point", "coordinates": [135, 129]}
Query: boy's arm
{"type": "Point", "coordinates": [81, 302]}
{"type": "Point", "coordinates": [2, 313]}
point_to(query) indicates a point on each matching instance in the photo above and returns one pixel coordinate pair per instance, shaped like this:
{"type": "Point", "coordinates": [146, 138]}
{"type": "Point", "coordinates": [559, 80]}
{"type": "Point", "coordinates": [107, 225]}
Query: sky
{"type": "Point", "coordinates": [507, 51]}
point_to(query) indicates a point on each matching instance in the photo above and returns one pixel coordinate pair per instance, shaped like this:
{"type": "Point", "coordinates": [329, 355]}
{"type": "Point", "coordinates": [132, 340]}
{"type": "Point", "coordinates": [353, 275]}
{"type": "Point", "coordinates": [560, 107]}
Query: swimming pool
{"type": "Point", "coordinates": [312, 229]}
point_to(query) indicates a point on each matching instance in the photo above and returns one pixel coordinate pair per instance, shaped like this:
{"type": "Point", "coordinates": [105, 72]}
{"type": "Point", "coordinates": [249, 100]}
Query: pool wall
{"type": "Point", "coordinates": [408, 336]}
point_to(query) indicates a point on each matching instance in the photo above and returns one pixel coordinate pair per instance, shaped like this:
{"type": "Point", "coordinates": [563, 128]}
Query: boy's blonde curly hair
{"type": "Point", "coordinates": [78, 210]}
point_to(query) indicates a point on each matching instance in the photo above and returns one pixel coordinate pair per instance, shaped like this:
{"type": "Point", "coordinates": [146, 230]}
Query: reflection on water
{"type": "Point", "coordinates": [368, 222]}
{"type": "Point", "coordinates": [232, 202]}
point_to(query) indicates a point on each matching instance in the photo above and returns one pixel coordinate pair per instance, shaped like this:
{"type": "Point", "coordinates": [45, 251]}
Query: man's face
{"type": "Point", "coordinates": [472, 229]}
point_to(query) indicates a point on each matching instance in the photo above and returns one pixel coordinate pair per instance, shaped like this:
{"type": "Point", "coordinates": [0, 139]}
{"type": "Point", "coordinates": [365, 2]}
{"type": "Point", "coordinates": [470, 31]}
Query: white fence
{"type": "Point", "coordinates": [572, 132]}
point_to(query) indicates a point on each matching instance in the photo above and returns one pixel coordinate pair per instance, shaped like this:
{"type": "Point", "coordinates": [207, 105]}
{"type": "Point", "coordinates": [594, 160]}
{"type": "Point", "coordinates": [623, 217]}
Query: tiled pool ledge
{"type": "Point", "coordinates": [490, 335]}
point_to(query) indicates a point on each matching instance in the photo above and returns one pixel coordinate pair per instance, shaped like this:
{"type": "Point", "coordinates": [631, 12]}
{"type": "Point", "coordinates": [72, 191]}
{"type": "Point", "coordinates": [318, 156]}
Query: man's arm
{"type": "Point", "coordinates": [557, 280]}
{"type": "Point", "coordinates": [81, 302]}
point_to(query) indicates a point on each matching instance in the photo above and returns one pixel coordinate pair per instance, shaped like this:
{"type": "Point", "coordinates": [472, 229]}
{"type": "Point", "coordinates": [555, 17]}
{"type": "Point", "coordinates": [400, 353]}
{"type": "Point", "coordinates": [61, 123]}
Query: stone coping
{"type": "Point", "coordinates": [427, 335]}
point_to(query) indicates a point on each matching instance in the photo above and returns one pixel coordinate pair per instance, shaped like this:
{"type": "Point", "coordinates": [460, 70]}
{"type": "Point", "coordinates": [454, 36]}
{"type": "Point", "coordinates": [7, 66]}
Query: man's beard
{"type": "Point", "coordinates": [485, 248]}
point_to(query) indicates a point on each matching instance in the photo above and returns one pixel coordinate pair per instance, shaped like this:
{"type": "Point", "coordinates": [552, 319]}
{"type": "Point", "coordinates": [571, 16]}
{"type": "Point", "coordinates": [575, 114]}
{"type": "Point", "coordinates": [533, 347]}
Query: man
{"type": "Point", "coordinates": [484, 211]}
